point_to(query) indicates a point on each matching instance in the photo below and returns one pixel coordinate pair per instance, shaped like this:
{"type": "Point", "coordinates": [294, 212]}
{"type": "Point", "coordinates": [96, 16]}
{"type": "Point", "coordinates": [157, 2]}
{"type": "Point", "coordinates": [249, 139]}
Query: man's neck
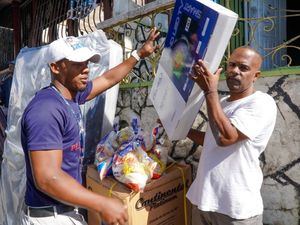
{"type": "Point", "coordinates": [236, 96]}
{"type": "Point", "coordinates": [65, 92]}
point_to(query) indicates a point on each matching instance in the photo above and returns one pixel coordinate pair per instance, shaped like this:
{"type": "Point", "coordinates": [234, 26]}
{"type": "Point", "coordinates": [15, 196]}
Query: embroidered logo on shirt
{"type": "Point", "coordinates": [75, 147]}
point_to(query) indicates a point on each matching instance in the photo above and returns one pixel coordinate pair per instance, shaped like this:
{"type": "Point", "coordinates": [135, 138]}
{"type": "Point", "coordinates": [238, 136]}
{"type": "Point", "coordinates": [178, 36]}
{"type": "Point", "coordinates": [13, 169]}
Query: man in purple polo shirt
{"type": "Point", "coordinates": [52, 137]}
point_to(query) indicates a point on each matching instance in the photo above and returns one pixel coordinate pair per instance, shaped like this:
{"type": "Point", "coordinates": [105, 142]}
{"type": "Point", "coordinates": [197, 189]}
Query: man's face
{"type": "Point", "coordinates": [242, 70]}
{"type": "Point", "coordinates": [74, 74]}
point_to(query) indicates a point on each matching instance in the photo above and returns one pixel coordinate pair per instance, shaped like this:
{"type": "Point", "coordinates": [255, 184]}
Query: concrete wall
{"type": "Point", "coordinates": [280, 162]}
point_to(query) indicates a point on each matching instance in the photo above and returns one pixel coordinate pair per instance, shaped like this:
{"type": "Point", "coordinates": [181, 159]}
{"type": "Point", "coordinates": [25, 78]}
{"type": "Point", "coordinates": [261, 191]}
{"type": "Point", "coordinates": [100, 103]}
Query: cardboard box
{"type": "Point", "coordinates": [199, 29]}
{"type": "Point", "coordinates": [163, 201]}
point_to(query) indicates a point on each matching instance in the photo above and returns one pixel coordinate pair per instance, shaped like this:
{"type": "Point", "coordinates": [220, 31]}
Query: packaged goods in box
{"type": "Point", "coordinates": [199, 29]}
{"type": "Point", "coordinates": [131, 155]}
{"type": "Point", "coordinates": [163, 201]}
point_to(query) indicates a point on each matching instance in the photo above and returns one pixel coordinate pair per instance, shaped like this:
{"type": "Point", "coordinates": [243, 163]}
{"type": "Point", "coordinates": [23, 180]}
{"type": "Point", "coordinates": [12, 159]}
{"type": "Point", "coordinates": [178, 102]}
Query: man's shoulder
{"type": "Point", "coordinates": [257, 101]}
{"type": "Point", "coordinates": [261, 104]}
{"type": "Point", "coordinates": [45, 100]}
{"type": "Point", "coordinates": [263, 98]}
{"type": "Point", "coordinates": [46, 95]}
{"type": "Point", "coordinates": [257, 98]}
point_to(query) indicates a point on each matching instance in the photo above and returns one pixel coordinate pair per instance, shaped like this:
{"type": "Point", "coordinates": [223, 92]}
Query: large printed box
{"type": "Point", "coordinates": [199, 29]}
{"type": "Point", "coordinates": [163, 201]}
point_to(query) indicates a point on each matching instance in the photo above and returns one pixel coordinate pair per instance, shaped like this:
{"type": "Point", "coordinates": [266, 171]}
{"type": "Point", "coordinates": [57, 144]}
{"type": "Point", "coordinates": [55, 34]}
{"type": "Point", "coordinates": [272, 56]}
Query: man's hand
{"type": "Point", "coordinates": [207, 81]}
{"type": "Point", "coordinates": [148, 48]}
{"type": "Point", "coordinates": [114, 212]}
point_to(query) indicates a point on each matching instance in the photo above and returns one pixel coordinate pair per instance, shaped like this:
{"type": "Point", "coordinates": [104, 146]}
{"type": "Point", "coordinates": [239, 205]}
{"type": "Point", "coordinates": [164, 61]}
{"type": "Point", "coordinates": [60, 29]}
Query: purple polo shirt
{"type": "Point", "coordinates": [48, 123]}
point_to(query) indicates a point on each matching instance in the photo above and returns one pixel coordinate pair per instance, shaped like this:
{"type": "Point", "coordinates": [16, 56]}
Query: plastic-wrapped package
{"type": "Point", "coordinates": [132, 166]}
{"type": "Point", "coordinates": [159, 151]}
{"type": "Point", "coordinates": [157, 133]}
{"type": "Point", "coordinates": [105, 168]}
{"type": "Point", "coordinates": [148, 142]}
{"type": "Point", "coordinates": [143, 138]}
{"type": "Point", "coordinates": [105, 151]}
{"type": "Point", "coordinates": [159, 154]}
{"type": "Point", "coordinates": [106, 146]}
{"type": "Point", "coordinates": [125, 136]}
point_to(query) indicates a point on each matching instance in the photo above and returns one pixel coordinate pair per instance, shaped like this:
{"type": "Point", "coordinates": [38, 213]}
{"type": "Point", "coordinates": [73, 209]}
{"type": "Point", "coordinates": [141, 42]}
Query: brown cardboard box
{"type": "Point", "coordinates": [163, 201]}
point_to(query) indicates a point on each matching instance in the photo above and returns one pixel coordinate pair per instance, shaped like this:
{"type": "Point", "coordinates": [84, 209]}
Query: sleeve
{"type": "Point", "coordinates": [44, 128]}
{"type": "Point", "coordinates": [255, 117]}
{"type": "Point", "coordinates": [81, 96]}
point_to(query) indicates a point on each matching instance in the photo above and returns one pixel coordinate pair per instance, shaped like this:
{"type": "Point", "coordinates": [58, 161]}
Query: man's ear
{"type": "Point", "coordinates": [256, 76]}
{"type": "Point", "coordinates": [54, 68]}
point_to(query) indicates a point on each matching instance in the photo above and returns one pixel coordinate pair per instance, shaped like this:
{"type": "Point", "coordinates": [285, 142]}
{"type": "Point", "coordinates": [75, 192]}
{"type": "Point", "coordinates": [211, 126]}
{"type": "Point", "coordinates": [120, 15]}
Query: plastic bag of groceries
{"type": "Point", "coordinates": [125, 136]}
{"type": "Point", "coordinates": [132, 166]}
{"type": "Point", "coordinates": [140, 136]}
{"type": "Point", "coordinates": [159, 151]}
{"type": "Point", "coordinates": [105, 151]}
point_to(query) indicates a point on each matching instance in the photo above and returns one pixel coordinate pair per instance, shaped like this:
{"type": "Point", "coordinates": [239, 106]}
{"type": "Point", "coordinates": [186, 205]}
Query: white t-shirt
{"type": "Point", "coordinates": [229, 178]}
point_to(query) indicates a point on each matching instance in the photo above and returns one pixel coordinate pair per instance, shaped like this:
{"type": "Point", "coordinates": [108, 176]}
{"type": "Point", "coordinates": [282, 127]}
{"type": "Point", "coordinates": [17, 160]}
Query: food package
{"type": "Point", "coordinates": [105, 168]}
{"type": "Point", "coordinates": [140, 136]}
{"type": "Point", "coordinates": [125, 136]}
{"type": "Point", "coordinates": [159, 151]}
{"type": "Point", "coordinates": [105, 151]}
{"type": "Point", "coordinates": [132, 166]}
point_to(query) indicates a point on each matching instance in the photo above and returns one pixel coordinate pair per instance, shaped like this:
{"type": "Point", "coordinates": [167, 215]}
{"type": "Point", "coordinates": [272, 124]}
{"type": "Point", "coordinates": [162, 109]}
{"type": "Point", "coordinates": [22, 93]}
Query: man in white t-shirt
{"type": "Point", "coordinates": [227, 186]}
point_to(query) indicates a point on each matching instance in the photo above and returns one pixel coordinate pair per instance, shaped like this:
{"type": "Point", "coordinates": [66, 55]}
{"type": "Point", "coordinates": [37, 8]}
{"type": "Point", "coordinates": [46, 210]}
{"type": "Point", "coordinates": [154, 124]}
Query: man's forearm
{"type": "Point", "coordinates": [57, 185]}
{"type": "Point", "coordinates": [222, 129]}
{"type": "Point", "coordinates": [112, 77]}
{"type": "Point", "coordinates": [116, 74]}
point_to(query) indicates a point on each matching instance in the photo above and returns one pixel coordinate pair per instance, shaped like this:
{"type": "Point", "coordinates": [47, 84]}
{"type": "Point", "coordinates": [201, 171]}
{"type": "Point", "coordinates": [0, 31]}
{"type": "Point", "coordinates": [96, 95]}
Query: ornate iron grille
{"type": "Point", "coordinates": [261, 25]}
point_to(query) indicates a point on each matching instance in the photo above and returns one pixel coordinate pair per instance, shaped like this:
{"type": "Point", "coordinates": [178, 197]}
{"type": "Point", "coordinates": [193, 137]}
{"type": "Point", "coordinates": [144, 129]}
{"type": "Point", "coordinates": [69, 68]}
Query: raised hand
{"type": "Point", "coordinates": [148, 48]}
{"type": "Point", "coordinates": [207, 81]}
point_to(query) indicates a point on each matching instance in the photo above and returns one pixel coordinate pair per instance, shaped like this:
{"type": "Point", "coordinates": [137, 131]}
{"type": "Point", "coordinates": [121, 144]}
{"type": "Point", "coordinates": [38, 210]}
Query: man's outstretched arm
{"type": "Point", "coordinates": [116, 74]}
